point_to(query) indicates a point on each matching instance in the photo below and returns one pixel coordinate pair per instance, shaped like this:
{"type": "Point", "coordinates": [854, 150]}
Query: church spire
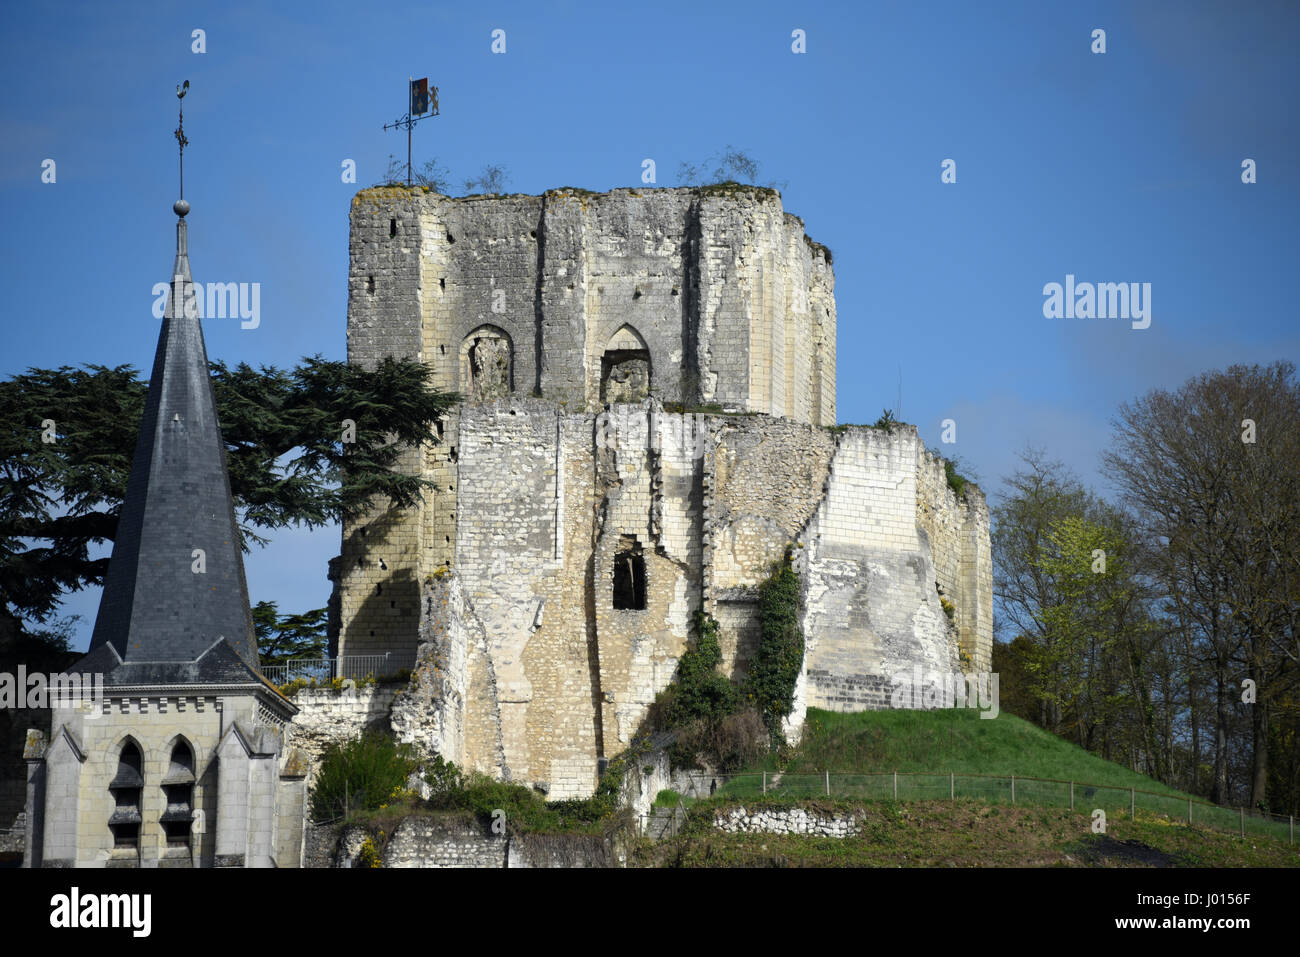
{"type": "Point", "coordinates": [175, 603]}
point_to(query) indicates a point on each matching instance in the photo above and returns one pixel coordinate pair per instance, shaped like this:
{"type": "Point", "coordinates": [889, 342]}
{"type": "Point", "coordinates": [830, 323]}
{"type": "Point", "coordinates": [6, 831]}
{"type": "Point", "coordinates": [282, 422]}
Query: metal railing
{"type": "Point", "coordinates": [994, 789]}
{"type": "Point", "coordinates": [347, 666]}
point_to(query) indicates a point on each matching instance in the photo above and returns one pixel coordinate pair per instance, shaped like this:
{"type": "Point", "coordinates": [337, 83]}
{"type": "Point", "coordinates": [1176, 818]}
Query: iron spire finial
{"type": "Point", "coordinates": [181, 207]}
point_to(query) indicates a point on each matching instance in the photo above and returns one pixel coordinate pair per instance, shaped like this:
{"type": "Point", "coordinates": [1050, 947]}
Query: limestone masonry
{"type": "Point", "coordinates": [648, 425]}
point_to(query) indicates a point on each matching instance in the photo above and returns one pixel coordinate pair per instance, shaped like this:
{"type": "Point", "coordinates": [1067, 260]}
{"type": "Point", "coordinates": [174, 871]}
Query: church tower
{"type": "Point", "coordinates": [178, 762]}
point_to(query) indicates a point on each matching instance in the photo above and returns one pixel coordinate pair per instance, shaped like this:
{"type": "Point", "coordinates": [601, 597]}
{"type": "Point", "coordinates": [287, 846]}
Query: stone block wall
{"type": "Point", "coordinates": [739, 820]}
{"type": "Point", "coordinates": [721, 289]}
{"type": "Point", "coordinates": [449, 840]}
{"type": "Point", "coordinates": [958, 530]}
{"type": "Point", "coordinates": [531, 672]}
{"type": "Point", "coordinates": [331, 717]}
{"type": "Point", "coordinates": [871, 606]}
{"type": "Point", "coordinates": [440, 842]}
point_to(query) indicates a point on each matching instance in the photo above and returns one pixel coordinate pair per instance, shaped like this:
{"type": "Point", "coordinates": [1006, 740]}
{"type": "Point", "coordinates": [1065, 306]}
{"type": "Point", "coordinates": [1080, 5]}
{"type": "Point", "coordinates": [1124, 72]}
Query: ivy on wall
{"type": "Point", "coordinates": [775, 668]}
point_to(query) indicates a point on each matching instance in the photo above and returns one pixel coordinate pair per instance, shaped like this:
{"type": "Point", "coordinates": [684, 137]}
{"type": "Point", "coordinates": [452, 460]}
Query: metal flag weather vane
{"type": "Point", "coordinates": [423, 103]}
{"type": "Point", "coordinates": [180, 130]}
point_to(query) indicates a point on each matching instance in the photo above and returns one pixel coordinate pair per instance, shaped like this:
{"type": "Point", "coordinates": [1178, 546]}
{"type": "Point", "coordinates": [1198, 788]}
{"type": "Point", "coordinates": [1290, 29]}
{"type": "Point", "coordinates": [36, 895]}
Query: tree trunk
{"type": "Point", "coordinates": [1219, 793]}
{"type": "Point", "coordinates": [1259, 766]}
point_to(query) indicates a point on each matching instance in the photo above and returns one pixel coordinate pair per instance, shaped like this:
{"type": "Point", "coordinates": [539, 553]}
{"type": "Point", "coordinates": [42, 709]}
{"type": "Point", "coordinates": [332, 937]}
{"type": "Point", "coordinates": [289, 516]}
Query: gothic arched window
{"type": "Point", "coordinates": [178, 788]}
{"type": "Point", "coordinates": [487, 364]}
{"type": "Point", "coordinates": [126, 788]}
{"type": "Point", "coordinates": [625, 367]}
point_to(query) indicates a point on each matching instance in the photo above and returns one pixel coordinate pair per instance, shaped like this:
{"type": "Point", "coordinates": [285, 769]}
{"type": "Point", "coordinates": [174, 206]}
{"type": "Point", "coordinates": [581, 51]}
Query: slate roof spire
{"type": "Point", "coordinates": [175, 603]}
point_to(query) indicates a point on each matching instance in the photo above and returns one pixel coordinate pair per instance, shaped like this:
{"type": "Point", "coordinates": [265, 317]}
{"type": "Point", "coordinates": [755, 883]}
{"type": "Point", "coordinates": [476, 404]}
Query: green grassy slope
{"type": "Point", "coordinates": [952, 740]}
{"type": "Point", "coordinates": [862, 750]}
{"type": "Point", "coordinates": [963, 834]}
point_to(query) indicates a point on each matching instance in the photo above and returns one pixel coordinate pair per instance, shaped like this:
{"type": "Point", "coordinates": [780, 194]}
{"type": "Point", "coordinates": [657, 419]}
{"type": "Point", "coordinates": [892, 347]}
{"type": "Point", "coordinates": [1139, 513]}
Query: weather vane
{"type": "Point", "coordinates": [424, 102]}
{"type": "Point", "coordinates": [180, 129]}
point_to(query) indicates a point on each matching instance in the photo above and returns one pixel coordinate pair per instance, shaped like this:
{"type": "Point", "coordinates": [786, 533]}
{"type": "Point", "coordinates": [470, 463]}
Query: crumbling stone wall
{"type": "Point", "coordinates": [326, 716]}
{"type": "Point", "coordinates": [958, 530]}
{"type": "Point", "coordinates": [707, 504]}
{"type": "Point", "coordinates": [449, 840]}
{"type": "Point", "coordinates": [702, 295]}
{"type": "Point", "coordinates": [552, 579]}
{"type": "Point", "coordinates": [871, 608]}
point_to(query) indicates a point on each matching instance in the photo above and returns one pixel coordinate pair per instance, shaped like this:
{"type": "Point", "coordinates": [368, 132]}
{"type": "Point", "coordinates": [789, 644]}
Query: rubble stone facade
{"type": "Point", "coordinates": [648, 427]}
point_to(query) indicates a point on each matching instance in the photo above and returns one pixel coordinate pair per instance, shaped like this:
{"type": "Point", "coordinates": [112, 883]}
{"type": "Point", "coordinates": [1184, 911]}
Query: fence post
{"type": "Point", "coordinates": [895, 785]}
{"type": "Point", "coordinates": [828, 784]}
{"type": "Point", "coordinates": [1013, 789]}
{"type": "Point", "coordinates": [952, 786]}
{"type": "Point", "coordinates": [1242, 809]}
{"type": "Point", "coordinates": [1291, 818]}
{"type": "Point", "coordinates": [1189, 812]}
{"type": "Point", "coordinates": [1071, 795]}
{"type": "Point", "coordinates": [1132, 804]}
{"type": "Point", "coordinates": [764, 782]}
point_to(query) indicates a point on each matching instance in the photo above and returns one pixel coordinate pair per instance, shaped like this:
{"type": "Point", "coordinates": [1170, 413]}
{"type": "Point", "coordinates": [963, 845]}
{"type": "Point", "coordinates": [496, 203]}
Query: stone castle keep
{"type": "Point", "coordinates": [648, 425]}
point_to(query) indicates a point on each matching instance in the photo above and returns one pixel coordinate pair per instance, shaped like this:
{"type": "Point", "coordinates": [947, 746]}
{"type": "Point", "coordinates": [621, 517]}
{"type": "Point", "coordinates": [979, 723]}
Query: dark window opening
{"type": "Point", "coordinates": [126, 787]}
{"type": "Point", "coordinates": [392, 228]}
{"type": "Point", "coordinates": [178, 788]}
{"type": "Point", "coordinates": [629, 575]}
{"type": "Point", "coordinates": [370, 284]}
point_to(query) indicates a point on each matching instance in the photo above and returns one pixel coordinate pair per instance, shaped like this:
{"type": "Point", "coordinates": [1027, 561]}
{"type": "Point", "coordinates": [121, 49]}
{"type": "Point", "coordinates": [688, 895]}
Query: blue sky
{"type": "Point", "coordinates": [1123, 166]}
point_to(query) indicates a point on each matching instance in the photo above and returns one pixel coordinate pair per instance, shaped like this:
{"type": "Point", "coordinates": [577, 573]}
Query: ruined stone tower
{"type": "Point", "coordinates": [649, 382]}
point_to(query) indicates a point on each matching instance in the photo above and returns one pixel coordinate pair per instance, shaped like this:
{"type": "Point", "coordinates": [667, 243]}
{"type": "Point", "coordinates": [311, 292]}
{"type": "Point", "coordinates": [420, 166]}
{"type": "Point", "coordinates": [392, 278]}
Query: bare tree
{"type": "Point", "coordinates": [491, 181]}
{"type": "Point", "coordinates": [1211, 470]}
{"type": "Point", "coordinates": [728, 165]}
{"type": "Point", "coordinates": [431, 175]}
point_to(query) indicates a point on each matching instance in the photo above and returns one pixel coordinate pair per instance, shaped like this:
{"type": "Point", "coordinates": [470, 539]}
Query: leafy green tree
{"type": "Point", "coordinates": [69, 435]}
{"type": "Point", "coordinates": [284, 638]}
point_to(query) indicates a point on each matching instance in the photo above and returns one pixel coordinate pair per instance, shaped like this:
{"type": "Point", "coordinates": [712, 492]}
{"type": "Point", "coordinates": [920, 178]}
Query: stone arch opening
{"type": "Point", "coordinates": [625, 367]}
{"type": "Point", "coordinates": [126, 787]}
{"type": "Point", "coordinates": [178, 789]}
{"type": "Point", "coordinates": [487, 363]}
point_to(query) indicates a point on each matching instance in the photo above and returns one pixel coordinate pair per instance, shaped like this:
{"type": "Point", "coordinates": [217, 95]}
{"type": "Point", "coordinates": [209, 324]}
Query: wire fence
{"type": "Point", "coordinates": [348, 666]}
{"type": "Point", "coordinates": [992, 789]}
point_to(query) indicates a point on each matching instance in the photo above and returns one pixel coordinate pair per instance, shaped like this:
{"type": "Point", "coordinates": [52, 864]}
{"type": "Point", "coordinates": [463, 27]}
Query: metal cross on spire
{"type": "Point", "coordinates": [180, 130]}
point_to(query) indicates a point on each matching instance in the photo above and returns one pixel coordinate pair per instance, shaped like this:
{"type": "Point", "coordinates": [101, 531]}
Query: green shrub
{"type": "Point", "coordinates": [667, 798]}
{"type": "Point", "coordinates": [956, 481]}
{"type": "Point", "coordinates": [701, 692]}
{"type": "Point", "coordinates": [736, 741]}
{"type": "Point", "coordinates": [360, 775]}
{"type": "Point", "coordinates": [369, 854]}
{"type": "Point", "coordinates": [775, 668]}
